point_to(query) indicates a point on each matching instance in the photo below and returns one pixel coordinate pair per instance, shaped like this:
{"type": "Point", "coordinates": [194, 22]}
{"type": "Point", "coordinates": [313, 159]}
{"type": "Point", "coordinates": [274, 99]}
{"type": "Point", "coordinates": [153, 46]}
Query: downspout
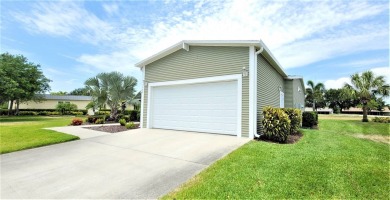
{"type": "Point", "coordinates": [257, 53]}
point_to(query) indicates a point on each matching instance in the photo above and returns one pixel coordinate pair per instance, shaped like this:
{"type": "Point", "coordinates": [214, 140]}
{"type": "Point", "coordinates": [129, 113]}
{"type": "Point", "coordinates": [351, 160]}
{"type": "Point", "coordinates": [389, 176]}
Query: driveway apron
{"type": "Point", "coordinates": [141, 163]}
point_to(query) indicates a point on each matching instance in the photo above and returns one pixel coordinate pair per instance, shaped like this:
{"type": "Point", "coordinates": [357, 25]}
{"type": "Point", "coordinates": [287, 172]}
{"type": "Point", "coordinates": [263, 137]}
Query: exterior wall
{"type": "Point", "coordinates": [50, 104]}
{"type": "Point", "coordinates": [288, 94]}
{"type": "Point", "coordinates": [201, 62]}
{"type": "Point", "coordinates": [298, 96]}
{"type": "Point", "coordinates": [268, 83]}
{"type": "Point", "coordinates": [292, 97]}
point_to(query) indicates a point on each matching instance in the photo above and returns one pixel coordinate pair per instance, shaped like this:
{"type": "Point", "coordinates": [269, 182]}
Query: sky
{"type": "Point", "coordinates": [323, 41]}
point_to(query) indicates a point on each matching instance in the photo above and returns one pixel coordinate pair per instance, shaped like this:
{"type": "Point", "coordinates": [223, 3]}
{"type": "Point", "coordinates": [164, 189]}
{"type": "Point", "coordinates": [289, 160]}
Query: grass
{"type": "Point", "coordinates": [25, 132]}
{"type": "Point", "coordinates": [329, 163]}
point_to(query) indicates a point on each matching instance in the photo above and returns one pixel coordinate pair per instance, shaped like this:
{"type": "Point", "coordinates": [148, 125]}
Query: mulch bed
{"type": "Point", "coordinates": [291, 139]}
{"type": "Point", "coordinates": [109, 129]}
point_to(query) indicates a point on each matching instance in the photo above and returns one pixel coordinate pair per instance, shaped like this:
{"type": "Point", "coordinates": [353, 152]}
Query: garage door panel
{"type": "Point", "coordinates": [205, 107]}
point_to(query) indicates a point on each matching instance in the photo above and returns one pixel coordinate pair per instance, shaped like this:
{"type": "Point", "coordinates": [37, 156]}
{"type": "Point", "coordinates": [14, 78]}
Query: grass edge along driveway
{"type": "Point", "coordinates": [325, 163]}
{"type": "Point", "coordinates": [26, 132]}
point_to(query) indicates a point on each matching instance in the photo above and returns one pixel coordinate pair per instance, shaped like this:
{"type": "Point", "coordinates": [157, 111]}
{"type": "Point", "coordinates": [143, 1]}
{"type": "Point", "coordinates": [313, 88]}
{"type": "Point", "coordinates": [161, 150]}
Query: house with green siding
{"type": "Point", "coordinates": [214, 86]}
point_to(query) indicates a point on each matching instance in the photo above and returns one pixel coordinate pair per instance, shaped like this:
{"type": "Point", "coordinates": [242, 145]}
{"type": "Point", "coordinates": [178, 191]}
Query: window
{"type": "Point", "coordinates": [281, 99]}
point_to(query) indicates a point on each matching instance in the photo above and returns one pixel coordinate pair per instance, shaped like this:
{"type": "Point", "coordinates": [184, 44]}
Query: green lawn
{"type": "Point", "coordinates": [25, 132]}
{"type": "Point", "coordinates": [327, 163]}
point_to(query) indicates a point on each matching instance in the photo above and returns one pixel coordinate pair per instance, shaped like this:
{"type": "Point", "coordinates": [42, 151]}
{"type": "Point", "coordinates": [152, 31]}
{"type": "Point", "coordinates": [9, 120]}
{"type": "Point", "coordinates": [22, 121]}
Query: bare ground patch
{"type": "Point", "coordinates": [375, 138]}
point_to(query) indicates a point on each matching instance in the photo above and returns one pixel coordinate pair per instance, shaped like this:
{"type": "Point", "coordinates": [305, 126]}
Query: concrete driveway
{"type": "Point", "coordinates": [142, 163]}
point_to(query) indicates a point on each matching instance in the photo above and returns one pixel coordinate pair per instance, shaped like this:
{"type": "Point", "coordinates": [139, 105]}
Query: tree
{"type": "Point", "coordinates": [59, 93]}
{"type": "Point", "coordinates": [20, 80]}
{"type": "Point", "coordinates": [339, 99]}
{"type": "Point", "coordinates": [315, 94]}
{"type": "Point", "coordinates": [111, 89]}
{"type": "Point", "coordinates": [366, 87]}
{"type": "Point", "coordinates": [80, 92]}
{"type": "Point", "coordinates": [65, 108]}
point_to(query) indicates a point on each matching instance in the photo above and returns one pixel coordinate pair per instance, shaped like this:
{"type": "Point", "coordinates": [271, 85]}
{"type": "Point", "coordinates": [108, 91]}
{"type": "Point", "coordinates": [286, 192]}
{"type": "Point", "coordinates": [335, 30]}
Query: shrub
{"type": "Point", "coordinates": [309, 119]}
{"type": "Point", "coordinates": [93, 118]}
{"type": "Point", "coordinates": [53, 113]}
{"type": "Point", "coordinates": [381, 119]}
{"type": "Point", "coordinates": [134, 115]}
{"type": "Point", "coordinates": [295, 117]}
{"type": "Point", "coordinates": [76, 113]}
{"type": "Point", "coordinates": [126, 117]}
{"type": "Point", "coordinates": [76, 122]}
{"type": "Point", "coordinates": [28, 113]}
{"type": "Point", "coordinates": [99, 121]}
{"type": "Point", "coordinates": [276, 124]}
{"type": "Point", "coordinates": [66, 108]}
{"type": "Point", "coordinates": [122, 122]}
{"type": "Point", "coordinates": [131, 125]}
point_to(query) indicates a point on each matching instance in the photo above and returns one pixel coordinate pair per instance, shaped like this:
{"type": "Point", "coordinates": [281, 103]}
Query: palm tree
{"type": "Point", "coordinates": [366, 87]}
{"type": "Point", "coordinates": [111, 89]}
{"type": "Point", "coordinates": [315, 92]}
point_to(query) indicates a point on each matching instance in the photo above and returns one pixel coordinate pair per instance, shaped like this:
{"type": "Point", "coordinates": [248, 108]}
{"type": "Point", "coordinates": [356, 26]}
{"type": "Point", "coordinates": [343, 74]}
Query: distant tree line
{"type": "Point", "coordinates": [366, 91]}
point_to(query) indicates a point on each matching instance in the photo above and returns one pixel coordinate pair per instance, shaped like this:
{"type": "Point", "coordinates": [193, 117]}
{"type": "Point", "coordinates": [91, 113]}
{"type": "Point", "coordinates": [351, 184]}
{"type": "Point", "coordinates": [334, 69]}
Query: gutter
{"type": "Point", "coordinates": [257, 53]}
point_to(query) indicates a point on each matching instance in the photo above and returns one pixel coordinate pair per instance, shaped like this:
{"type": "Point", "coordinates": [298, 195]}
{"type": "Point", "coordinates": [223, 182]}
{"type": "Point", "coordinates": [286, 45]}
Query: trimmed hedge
{"type": "Point", "coordinates": [309, 119]}
{"type": "Point", "coordinates": [276, 124]}
{"type": "Point", "coordinates": [381, 119]}
{"type": "Point", "coordinates": [42, 112]}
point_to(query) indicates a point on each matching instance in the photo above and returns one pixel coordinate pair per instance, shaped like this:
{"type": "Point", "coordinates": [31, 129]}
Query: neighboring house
{"type": "Point", "coordinates": [50, 102]}
{"type": "Point", "coordinates": [215, 87]}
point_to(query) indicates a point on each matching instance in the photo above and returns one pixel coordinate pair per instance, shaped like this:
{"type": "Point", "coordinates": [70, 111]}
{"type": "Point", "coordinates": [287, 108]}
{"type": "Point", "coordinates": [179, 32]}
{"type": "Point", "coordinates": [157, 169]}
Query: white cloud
{"type": "Point", "coordinates": [67, 19]}
{"type": "Point", "coordinates": [298, 33]}
{"type": "Point", "coordinates": [110, 8]}
{"type": "Point", "coordinates": [340, 82]}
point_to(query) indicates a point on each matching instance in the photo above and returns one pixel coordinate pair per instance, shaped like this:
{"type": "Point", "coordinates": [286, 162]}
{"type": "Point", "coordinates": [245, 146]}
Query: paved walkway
{"type": "Point", "coordinates": [141, 163]}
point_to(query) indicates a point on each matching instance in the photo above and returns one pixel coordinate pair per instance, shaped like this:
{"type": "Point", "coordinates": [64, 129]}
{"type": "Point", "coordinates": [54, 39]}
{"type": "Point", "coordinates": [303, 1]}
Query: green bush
{"type": "Point", "coordinates": [381, 119]}
{"type": "Point", "coordinates": [131, 125]}
{"type": "Point", "coordinates": [134, 115]}
{"type": "Point", "coordinates": [23, 113]}
{"type": "Point", "coordinates": [99, 121]}
{"type": "Point", "coordinates": [295, 117]}
{"type": "Point", "coordinates": [93, 118]}
{"type": "Point", "coordinates": [76, 113]}
{"type": "Point", "coordinates": [66, 108]}
{"type": "Point", "coordinates": [76, 122]}
{"type": "Point", "coordinates": [126, 117]}
{"type": "Point", "coordinates": [276, 124]}
{"type": "Point", "coordinates": [53, 113]}
{"type": "Point", "coordinates": [309, 119]}
{"type": "Point", "coordinates": [122, 122]}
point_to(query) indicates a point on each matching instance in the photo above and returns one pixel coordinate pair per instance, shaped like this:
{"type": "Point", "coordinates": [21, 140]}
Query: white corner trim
{"type": "Point", "coordinates": [252, 92]}
{"type": "Point", "coordinates": [239, 105]}
{"type": "Point", "coordinates": [236, 77]}
{"type": "Point", "coordinates": [186, 46]}
{"type": "Point", "coordinates": [142, 97]}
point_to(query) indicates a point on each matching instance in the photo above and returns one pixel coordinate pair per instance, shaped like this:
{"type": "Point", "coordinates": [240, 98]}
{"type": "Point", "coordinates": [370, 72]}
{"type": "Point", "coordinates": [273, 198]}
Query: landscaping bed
{"type": "Point", "coordinates": [109, 129]}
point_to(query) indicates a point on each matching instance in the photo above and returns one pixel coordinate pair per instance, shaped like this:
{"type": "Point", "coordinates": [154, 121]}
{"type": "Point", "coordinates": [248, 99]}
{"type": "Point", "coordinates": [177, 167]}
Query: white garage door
{"type": "Point", "coordinates": [204, 107]}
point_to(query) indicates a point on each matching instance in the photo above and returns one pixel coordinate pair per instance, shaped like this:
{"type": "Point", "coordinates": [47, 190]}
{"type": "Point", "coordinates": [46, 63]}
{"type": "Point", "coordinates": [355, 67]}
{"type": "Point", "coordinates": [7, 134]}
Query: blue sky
{"type": "Point", "coordinates": [323, 41]}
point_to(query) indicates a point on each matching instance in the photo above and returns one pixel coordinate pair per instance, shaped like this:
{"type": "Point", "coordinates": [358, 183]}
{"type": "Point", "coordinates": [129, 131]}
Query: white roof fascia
{"type": "Point", "coordinates": [271, 58]}
{"type": "Point", "coordinates": [185, 44]}
{"type": "Point", "coordinates": [160, 54]}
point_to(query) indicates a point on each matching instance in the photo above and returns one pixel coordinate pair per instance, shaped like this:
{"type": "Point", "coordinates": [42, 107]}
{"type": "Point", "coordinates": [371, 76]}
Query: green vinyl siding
{"type": "Point", "coordinates": [201, 62]}
{"type": "Point", "coordinates": [298, 96]}
{"type": "Point", "coordinates": [268, 83]}
{"type": "Point", "coordinates": [288, 93]}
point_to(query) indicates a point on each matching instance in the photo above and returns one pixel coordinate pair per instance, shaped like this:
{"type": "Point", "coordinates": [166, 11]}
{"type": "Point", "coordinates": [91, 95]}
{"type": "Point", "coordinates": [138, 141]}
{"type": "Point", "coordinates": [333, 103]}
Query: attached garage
{"type": "Point", "coordinates": [211, 105]}
{"type": "Point", "coordinates": [211, 87]}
